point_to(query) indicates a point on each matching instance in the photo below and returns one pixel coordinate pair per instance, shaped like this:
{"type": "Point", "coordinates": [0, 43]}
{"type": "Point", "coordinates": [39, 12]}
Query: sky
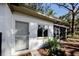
{"type": "Point", "coordinates": [59, 11]}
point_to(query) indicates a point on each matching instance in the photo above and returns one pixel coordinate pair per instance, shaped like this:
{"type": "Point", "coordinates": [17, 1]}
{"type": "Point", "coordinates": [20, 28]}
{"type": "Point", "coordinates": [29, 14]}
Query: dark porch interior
{"type": "Point", "coordinates": [59, 32]}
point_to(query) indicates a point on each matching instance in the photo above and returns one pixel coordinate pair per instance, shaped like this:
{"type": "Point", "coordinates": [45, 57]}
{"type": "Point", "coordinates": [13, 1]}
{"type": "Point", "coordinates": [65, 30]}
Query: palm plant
{"type": "Point", "coordinates": [55, 47]}
{"type": "Point", "coordinates": [53, 43]}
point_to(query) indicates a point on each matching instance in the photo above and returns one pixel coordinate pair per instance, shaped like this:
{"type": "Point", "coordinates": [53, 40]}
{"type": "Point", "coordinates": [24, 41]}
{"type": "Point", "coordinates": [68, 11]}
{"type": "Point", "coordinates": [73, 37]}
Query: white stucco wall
{"type": "Point", "coordinates": [26, 18]}
{"type": "Point", "coordinates": [51, 31]}
{"type": "Point", "coordinates": [6, 28]}
{"type": "Point", "coordinates": [34, 42]}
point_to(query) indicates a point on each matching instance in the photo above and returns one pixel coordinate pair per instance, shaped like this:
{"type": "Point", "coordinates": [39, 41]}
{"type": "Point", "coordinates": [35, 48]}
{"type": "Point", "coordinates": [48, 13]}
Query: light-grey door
{"type": "Point", "coordinates": [22, 36]}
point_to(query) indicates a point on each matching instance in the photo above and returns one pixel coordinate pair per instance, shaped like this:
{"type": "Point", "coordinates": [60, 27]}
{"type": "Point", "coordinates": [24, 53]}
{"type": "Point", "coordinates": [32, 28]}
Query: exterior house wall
{"type": "Point", "coordinates": [51, 31]}
{"type": "Point", "coordinates": [34, 41]}
{"type": "Point", "coordinates": [6, 28]}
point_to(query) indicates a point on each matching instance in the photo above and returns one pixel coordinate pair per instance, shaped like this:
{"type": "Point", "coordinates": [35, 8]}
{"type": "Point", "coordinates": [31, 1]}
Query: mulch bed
{"type": "Point", "coordinates": [43, 52]}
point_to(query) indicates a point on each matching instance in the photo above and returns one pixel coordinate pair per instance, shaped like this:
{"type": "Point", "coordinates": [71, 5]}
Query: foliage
{"type": "Point", "coordinates": [55, 47]}
{"type": "Point", "coordinates": [73, 8]}
{"type": "Point", "coordinates": [53, 43]}
{"type": "Point", "coordinates": [76, 36]}
{"type": "Point", "coordinates": [77, 32]}
{"type": "Point", "coordinates": [44, 8]}
{"type": "Point", "coordinates": [50, 12]}
{"type": "Point", "coordinates": [66, 17]}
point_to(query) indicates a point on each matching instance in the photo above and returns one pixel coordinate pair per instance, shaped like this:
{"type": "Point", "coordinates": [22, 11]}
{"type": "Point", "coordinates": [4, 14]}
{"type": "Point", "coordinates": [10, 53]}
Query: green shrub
{"type": "Point", "coordinates": [55, 47]}
{"type": "Point", "coordinates": [53, 43]}
{"type": "Point", "coordinates": [76, 36]}
{"type": "Point", "coordinates": [77, 32]}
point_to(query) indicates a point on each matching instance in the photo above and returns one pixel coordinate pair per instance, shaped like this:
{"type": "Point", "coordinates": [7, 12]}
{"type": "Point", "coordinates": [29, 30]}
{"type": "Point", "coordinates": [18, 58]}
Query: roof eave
{"type": "Point", "coordinates": [30, 12]}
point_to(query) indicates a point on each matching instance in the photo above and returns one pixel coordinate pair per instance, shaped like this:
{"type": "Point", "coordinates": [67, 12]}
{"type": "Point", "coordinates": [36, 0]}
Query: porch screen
{"type": "Point", "coordinates": [21, 37]}
{"type": "Point", "coordinates": [56, 32]}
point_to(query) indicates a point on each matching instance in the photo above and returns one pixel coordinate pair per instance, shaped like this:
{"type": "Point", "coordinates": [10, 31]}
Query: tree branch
{"type": "Point", "coordinates": [77, 11]}
{"type": "Point", "coordinates": [65, 7]}
{"type": "Point", "coordinates": [75, 4]}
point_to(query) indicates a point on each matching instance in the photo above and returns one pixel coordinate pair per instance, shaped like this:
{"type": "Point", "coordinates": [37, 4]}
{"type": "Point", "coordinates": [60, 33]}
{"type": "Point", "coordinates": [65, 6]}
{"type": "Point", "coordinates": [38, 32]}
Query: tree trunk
{"type": "Point", "coordinates": [73, 28]}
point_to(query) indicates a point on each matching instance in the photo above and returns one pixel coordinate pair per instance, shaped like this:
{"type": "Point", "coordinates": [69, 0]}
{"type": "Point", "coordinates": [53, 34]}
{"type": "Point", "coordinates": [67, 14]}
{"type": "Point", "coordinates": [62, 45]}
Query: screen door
{"type": "Point", "coordinates": [22, 36]}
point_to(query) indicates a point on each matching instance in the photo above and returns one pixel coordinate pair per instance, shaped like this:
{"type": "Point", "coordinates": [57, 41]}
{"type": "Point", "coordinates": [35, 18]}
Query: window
{"type": "Point", "coordinates": [42, 31]}
{"type": "Point", "coordinates": [56, 32]}
{"type": "Point", "coordinates": [46, 33]}
{"type": "Point", "coordinates": [21, 37]}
